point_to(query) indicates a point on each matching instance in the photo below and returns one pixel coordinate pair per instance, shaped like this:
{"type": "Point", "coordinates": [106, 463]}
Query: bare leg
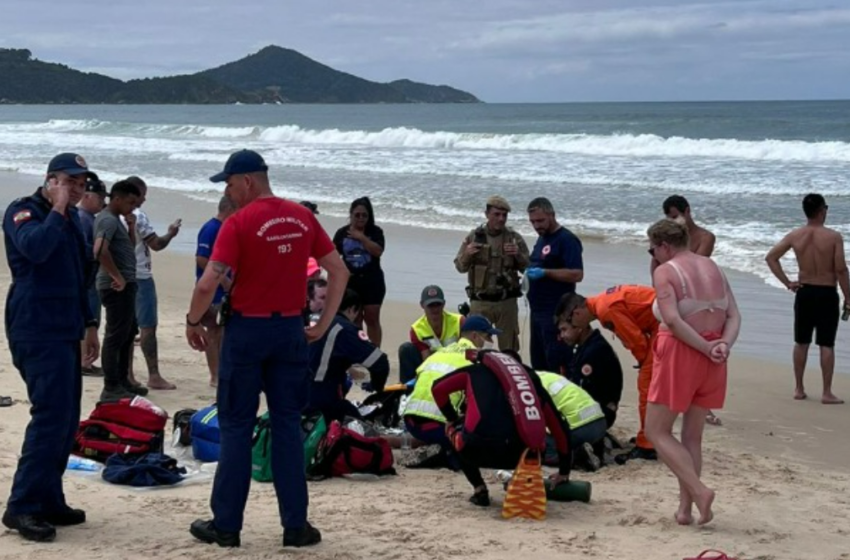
{"type": "Point", "coordinates": [151, 351]}
{"type": "Point", "coordinates": [827, 366]}
{"type": "Point", "coordinates": [130, 377]}
{"type": "Point", "coordinates": [213, 353]}
{"type": "Point", "coordinates": [372, 318]}
{"type": "Point", "coordinates": [801, 352]}
{"type": "Point", "coordinates": [677, 457]}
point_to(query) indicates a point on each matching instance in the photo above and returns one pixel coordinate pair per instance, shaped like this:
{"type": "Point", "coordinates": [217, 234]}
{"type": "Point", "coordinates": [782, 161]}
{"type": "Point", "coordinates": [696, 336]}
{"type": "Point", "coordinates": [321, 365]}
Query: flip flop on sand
{"type": "Point", "coordinates": [6, 401]}
{"type": "Point", "coordinates": [710, 418]}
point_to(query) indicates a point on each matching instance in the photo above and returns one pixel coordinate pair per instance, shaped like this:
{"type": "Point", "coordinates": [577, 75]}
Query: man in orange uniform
{"type": "Point", "coordinates": [627, 311]}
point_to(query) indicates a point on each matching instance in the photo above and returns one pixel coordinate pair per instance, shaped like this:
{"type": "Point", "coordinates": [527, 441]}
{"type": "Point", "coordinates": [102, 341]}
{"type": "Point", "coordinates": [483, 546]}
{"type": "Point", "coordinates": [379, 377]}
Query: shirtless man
{"type": "Point", "coordinates": [820, 258]}
{"type": "Point", "coordinates": [677, 208]}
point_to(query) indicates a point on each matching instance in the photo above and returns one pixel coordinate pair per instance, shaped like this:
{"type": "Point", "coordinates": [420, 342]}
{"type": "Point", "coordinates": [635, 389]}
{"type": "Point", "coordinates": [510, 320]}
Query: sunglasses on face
{"type": "Point", "coordinates": [360, 215]}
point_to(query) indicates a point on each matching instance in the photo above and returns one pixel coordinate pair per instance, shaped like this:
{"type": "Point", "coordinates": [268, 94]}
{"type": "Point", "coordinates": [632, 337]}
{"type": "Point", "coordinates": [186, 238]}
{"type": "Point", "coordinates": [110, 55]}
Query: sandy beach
{"type": "Point", "coordinates": [780, 467]}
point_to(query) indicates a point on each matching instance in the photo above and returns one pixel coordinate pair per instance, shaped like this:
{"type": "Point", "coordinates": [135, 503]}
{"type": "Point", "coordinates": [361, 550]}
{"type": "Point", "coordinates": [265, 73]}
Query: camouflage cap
{"type": "Point", "coordinates": [497, 201]}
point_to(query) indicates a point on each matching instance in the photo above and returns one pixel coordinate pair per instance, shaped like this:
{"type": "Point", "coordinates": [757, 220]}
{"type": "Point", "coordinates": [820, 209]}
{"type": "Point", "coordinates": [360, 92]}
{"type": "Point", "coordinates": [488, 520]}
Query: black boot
{"type": "Point", "coordinates": [207, 532]}
{"type": "Point", "coordinates": [305, 536]}
{"type": "Point", "coordinates": [30, 527]}
{"type": "Point", "coordinates": [66, 517]}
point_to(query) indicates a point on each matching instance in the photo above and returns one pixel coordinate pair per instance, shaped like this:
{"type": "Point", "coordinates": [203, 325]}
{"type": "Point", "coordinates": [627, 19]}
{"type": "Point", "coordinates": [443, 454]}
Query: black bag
{"type": "Point", "coordinates": [183, 422]}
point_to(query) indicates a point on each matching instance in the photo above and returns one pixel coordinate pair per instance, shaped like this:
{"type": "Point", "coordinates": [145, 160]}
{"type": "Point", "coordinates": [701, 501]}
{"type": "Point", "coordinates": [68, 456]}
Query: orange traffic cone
{"type": "Point", "coordinates": [526, 494]}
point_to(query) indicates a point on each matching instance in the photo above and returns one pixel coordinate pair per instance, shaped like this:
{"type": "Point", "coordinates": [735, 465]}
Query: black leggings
{"type": "Point", "coordinates": [474, 457]}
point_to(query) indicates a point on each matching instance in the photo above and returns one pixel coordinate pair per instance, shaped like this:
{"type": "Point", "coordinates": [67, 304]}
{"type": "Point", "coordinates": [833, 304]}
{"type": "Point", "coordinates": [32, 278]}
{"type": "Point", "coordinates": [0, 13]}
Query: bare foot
{"type": "Point", "coordinates": [684, 517]}
{"type": "Point", "coordinates": [160, 384]}
{"type": "Point", "coordinates": [800, 395]}
{"type": "Point", "coordinates": [703, 503]}
{"type": "Point", "coordinates": [213, 383]}
{"type": "Point", "coordinates": [829, 398]}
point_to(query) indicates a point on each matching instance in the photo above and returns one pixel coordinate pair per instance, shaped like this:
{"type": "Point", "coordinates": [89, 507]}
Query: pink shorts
{"type": "Point", "coordinates": [682, 376]}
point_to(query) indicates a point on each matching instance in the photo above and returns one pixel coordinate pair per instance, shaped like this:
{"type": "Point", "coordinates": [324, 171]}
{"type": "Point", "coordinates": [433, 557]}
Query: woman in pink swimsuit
{"type": "Point", "coordinates": [700, 323]}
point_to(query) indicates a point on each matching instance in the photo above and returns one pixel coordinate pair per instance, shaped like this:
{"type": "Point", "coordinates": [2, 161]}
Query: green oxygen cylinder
{"type": "Point", "coordinates": [572, 491]}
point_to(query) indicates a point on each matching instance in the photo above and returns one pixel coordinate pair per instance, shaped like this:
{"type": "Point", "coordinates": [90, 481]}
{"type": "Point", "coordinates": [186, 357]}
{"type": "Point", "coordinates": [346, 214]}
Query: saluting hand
{"type": "Point", "coordinates": [197, 337]}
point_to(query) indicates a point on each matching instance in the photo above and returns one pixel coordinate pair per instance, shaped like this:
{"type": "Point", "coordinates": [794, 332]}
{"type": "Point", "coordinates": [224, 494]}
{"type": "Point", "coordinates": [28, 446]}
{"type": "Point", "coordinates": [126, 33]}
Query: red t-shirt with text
{"type": "Point", "coordinates": [267, 244]}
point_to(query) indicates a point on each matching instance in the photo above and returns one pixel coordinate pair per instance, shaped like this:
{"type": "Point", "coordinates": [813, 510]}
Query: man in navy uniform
{"type": "Point", "coordinates": [47, 314]}
{"type": "Point", "coordinates": [343, 346]}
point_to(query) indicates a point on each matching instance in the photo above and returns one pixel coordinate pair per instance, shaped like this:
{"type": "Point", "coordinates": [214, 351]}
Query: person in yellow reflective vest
{"type": "Point", "coordinates": [422, 416]}
{"type": "Point", "coordinates": [435, 329]}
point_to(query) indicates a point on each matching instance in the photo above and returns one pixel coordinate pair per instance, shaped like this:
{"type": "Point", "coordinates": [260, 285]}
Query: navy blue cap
{"type": "Point", "coordinates": [95, 185]}
{"type": "Point", "coordinates": [479, 323]}
{"type": "Point", "coordinates": [243, 161]}
{"type": "Point", "coordinates": [72, 164]}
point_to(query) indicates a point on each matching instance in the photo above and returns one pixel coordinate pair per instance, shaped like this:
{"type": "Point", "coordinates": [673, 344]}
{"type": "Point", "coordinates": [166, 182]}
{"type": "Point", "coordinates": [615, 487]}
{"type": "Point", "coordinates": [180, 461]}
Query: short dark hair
{"type": "Point", "coordinates": [566, 305]}
{"type": "Point", "coordinates": [812, 204]}
{"type": "Point", "coordinates": [124, 188]}
{"type": "Point", "coordinates": [541, 203]}
{"type": "Point", "coordinates": [226, 203]}
{"type": "Point", "coordinates": [314, 283]}
{"type": "Point", "coordinates": [351, 299]}
{"type": "Point", "coordinates": [676, 201]}
{"type": "Point", "coordinates": [133, 179]}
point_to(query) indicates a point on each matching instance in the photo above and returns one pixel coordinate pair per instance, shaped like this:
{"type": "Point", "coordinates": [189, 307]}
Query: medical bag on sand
{"type": "Point", "coordinates": [206, 442]}
{"type": "Point", "coordinates": [344, 451]}
{"type": "Point", "coordinates": [313, 429]}
{"type": "Point", "coordinates": [127, 427]}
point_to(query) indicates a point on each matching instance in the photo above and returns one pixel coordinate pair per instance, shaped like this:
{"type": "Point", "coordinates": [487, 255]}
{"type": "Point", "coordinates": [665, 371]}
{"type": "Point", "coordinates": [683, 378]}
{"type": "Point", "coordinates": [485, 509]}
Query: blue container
{"type": "Point", "coordinates": [206, 445]}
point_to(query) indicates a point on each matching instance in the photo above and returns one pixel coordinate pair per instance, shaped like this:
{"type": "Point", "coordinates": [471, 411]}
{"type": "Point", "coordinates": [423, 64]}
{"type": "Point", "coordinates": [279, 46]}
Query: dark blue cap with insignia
{"type": "Point", "coordinates": [72, 164]}
{"type": "Point", "coordinates": [243, 161]}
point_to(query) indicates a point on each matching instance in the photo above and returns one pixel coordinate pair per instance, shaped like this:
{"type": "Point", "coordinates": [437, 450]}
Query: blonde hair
{"type": "Point", "coordinates": [670, 232]}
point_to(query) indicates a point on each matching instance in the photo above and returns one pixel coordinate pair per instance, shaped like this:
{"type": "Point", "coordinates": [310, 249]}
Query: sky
{"type": "Point", "coordinates": [500, 50]}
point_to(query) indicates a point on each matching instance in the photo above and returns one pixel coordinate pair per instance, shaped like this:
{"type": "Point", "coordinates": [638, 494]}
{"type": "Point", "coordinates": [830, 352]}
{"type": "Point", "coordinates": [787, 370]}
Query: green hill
{"type": "Point", "coordinates": [273, 74]}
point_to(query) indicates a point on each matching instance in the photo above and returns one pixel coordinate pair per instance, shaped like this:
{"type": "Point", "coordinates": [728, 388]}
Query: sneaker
{"type": "Point", "coordinates": [66, 517]}
{"type": "Point", "coordinates": [206, 531]}
{"type": "Point", "coordinates": [641, 453]}
{"type": "Point", "coordinates": [481, 499]}
{"type": "Point", "coordinates": [137, 390]}
{"type": "Point", "coordinates": [305, 536]}
{"type": "Point", "coordinates": [116, 394]}
{"type": "Point", "coordinates": [30, 527]}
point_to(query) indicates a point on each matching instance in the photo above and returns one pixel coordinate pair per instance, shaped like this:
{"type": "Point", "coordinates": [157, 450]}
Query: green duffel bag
{"type": "Point", "coordinates": [314, 430]}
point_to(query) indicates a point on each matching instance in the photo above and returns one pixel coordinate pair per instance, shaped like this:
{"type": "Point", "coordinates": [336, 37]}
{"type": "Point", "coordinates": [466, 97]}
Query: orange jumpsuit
{"type": "Point", "coordinates": [627, 311]}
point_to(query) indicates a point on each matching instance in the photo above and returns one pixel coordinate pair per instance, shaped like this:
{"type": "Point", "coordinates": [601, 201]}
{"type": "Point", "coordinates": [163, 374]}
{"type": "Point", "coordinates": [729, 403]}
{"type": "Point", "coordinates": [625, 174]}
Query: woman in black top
{"type": "Point", "coordinates": [361, 244]}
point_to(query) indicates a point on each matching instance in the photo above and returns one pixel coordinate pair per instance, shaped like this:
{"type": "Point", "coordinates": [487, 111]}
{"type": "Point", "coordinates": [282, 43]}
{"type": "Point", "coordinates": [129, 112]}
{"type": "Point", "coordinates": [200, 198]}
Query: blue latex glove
{"type": "Point", "coordinates": [535, 273]}
{"type": "Point", "coordinates": [410, 384]}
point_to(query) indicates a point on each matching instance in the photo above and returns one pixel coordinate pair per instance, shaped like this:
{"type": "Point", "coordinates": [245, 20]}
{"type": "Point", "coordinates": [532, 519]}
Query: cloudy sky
{"type": "Point", "coordinates": [501, 50]}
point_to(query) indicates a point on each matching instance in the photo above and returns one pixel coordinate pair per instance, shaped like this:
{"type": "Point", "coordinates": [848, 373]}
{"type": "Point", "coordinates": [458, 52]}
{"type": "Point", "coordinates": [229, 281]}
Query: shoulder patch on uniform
{"type": "Point", "coordinates": [586, 370]}
{"type": "Point", "coordinates": [22, 216]}
{"type": "Point", "coordinates": [363, 336]}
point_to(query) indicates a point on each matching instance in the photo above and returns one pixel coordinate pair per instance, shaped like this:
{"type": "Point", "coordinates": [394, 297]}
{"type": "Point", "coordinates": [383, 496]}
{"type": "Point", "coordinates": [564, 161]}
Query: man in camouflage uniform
{"type": "Point", "coordinates": [493, 255]}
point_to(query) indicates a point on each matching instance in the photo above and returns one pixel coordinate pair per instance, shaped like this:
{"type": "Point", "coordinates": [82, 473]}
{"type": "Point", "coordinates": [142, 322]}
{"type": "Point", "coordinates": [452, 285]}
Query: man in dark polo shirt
{"type": "Point", "coordinates": [266, 244]}
{"type": "Point", "coordinates": [556, 267]}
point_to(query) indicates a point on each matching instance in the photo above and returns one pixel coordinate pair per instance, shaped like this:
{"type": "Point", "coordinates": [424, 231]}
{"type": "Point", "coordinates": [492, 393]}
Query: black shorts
{"type": "Point", "coordinates": [816, 308]}
{"type": "Point", "coordinates": [370, 287]}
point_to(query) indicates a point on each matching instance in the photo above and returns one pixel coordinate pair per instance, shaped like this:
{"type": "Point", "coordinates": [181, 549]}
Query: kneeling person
{"type": "Point", "coordinates": [491, 433]}
{"type": "Point", "coordinates": [343, 346]}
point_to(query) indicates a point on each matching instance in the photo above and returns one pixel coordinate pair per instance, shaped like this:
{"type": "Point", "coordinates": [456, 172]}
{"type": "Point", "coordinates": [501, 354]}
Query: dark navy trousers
{"type": "Point", "coordinates": [545, 350]}
{"type": "Point", "coordinates": [270, 356]}
{"type": "Point", "coordinates": [51, 370]}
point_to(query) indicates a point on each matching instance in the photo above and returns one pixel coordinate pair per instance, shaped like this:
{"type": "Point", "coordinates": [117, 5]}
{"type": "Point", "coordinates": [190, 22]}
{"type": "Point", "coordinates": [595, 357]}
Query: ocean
{"type": "Point", "coordinates": [744, 166]}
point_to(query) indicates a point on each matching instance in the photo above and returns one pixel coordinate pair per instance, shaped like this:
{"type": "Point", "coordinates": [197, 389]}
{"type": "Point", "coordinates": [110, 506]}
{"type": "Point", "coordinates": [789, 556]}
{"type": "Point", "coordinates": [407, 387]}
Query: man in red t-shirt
{"type": "Point", "coordinates": [266, 245]}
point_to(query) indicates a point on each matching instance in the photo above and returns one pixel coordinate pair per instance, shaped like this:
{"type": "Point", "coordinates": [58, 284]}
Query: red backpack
{"type": "Point", "coordinates": [344, 451]}
{"type": "Point", "coordinates": [127, 427]}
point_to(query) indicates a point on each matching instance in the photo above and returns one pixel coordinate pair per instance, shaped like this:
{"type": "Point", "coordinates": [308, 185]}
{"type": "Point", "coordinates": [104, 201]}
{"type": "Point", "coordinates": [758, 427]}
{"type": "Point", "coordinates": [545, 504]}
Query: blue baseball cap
{"type": "Point", "coordinates": [72, 164]}
{"type": "Point", "coordinates": [479, 323]}
{"type": "Point", "coordinates": [243, 161]}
